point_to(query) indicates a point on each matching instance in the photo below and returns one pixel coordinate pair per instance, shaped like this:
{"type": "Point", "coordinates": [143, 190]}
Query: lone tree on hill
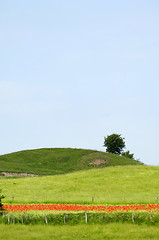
{"type": "Point", "coordinates": [114, 143]}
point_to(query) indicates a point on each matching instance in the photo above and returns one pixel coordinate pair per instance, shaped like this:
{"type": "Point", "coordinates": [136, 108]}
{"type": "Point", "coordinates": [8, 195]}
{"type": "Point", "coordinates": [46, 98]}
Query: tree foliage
{"type": "Point", "coordinates": [114, 143]}
{"type": "Point", "coordinates": [128, 154]}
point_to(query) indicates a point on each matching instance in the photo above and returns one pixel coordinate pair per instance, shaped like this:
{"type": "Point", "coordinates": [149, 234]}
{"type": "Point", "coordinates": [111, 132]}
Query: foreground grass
{"type": "Point", "coordinates": [53, 161]}
{"type": "Point", "coordinates": [96, 231]}
{"type": "Point", "coordinates": [113, 185]}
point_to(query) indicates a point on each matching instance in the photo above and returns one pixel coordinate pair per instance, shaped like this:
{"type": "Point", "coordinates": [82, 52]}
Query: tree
{"type": "Point", "coordinates": [114, 143]}
{"type": "Point", "coordinates": [128, 154]}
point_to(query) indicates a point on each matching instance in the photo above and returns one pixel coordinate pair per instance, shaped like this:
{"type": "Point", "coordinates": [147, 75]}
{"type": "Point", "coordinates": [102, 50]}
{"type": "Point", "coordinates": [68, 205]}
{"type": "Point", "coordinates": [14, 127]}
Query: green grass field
{"type": "Point", "coordinates": [94, 232]}
{"type": "Point", "coordinates": [137, 184]}
{"type": "Point", "coordinates": [75, 179]}
{"type": "Point", "coordinates": [55, 161]}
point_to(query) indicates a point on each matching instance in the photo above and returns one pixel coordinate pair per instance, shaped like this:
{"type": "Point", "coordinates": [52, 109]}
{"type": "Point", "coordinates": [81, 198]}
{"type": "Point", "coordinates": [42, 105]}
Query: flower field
{"type": "Point", "coordinates": [59, 214]}
{"type": "Point", "coordinates": [81, 208]}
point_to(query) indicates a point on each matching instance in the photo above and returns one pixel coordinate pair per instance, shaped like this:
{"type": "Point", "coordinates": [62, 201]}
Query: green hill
{"type": "Point", "coordinates": [112, 185]}
{"type": "Point", "coordinates": [54, 161]}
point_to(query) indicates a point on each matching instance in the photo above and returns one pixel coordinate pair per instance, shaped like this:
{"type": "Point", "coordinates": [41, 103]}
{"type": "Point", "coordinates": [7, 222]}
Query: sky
{"type": "Point", "coordinates": [74, 72]}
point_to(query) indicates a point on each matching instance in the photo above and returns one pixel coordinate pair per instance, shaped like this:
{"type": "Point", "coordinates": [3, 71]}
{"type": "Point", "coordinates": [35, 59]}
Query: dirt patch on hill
{"type": "Point", "coordinates": [11, 174]}
{"type": "Point", "coordinates": [98, 161]}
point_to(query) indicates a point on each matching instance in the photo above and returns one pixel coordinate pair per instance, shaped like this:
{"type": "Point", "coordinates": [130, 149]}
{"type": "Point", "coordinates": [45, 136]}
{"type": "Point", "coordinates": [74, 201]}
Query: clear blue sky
{"type": "Point", "coordinates": [72, 72]}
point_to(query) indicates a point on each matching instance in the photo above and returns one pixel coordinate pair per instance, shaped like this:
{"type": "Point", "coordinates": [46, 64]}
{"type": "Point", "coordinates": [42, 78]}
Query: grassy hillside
{"type": "Point", "coordinates": [53, 161]}
{"type": "Point", "coordinates": [137, 184]}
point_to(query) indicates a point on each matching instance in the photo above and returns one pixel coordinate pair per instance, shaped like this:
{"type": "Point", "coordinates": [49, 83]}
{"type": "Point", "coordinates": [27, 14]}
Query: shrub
{"type": "Point", "coordinates": [1, 197]}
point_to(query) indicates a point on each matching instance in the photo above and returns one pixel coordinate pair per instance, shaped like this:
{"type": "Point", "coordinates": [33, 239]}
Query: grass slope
{"type": "Point", "coordinates": [137, 184]}
{"type": "Point", "coordinates": [53, 161]}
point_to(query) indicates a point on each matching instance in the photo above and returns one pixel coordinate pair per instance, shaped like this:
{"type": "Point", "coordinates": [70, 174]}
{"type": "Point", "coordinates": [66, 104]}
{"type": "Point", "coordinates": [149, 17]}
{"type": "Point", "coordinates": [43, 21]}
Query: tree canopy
{"type": "Point", "coordinates": [114, 143]}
